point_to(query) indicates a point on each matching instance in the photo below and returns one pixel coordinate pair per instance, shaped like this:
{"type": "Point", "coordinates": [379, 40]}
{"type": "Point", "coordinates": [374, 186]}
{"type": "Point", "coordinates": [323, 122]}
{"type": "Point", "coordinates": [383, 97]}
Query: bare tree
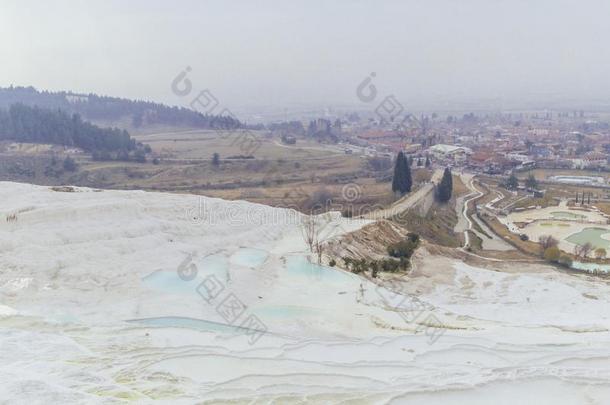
{"type": "Point", "coordinates": [583, 250]}
{"type": "Point", "coordinates": [547, 241]}
{"type": "Point", "coordinates": [312, 227]}
{"type": "Point", "coordinates": [319, 250]}
{"type": "Point", "coordinates": [586, 249]}
{"type": "Point", "coordinates": [309, 231]}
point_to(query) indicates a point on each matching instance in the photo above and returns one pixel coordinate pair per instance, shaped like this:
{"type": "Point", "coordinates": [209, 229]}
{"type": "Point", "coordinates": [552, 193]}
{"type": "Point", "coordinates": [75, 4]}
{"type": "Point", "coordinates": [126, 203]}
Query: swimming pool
{"type": "Point", "coordinates": [567, 215]}
{"type": "Point", "coordinates": [598, 237]}
{"type": "Point", "coordinates": [578, 179]}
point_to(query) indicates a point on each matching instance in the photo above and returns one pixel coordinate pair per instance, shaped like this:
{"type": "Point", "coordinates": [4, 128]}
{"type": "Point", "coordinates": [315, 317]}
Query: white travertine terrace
{"type": "Point", "coordinates": [74, 267]}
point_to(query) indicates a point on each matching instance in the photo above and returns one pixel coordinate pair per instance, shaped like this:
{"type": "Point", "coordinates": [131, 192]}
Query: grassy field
{"type": "Point", "coordinates": [202, 144]}
{"type": "Point", "coordinates": [437, 226]}
{"type": "Point", "coordinates": [278, 175]}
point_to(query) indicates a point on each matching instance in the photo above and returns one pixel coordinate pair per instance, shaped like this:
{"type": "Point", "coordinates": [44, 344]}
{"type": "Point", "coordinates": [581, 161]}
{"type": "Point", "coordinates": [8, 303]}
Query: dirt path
{"type": "Point", "coordinates": [493, 243]}
{"type": "Point", "coordinates": [407, 201]}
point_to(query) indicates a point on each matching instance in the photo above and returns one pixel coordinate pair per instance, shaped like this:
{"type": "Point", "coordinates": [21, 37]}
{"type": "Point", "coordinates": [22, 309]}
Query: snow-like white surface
{"type": "Point", "coordinates": [75, 267]}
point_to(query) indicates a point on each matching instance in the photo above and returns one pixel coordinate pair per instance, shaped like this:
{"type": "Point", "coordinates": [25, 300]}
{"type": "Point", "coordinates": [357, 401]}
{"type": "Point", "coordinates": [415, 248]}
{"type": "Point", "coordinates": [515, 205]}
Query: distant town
{"type": "Point", "coordinates": [490, 143]}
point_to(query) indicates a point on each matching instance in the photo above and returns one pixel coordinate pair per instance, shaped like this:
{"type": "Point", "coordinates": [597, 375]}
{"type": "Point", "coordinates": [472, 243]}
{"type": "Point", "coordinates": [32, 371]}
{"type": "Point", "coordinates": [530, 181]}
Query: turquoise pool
{"type": "Point", "coordinates": [567, 215]}
{"type": "Point", "coordinates": [170, 281]}
{"type": "Point", "coordinates": [593, 236]}
{"type": "Point", "coordinates": [300, 266]}
{"type": "Point", "coordinates": [591, 267]}
{"type": "Point", "coordinates": [285, 311]}
{"type": "Point", "coordinates": [249, 257]}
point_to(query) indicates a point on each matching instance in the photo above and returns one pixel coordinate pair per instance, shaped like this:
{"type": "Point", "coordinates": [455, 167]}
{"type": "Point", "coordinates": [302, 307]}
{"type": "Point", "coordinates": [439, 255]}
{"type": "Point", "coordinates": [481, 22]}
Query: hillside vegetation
{"type": "Point", "coordinates": [96, 107]}
{"type": "Point", "coordinates": [21, 123]}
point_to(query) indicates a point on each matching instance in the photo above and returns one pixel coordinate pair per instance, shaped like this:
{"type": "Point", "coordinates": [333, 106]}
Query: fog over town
{"type": "Point", "coordinates": [273, 54]}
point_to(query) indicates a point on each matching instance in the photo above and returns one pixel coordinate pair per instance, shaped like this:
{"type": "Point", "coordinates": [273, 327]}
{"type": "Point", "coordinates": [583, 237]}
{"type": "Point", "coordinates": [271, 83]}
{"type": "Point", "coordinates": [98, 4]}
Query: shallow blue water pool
{"type": "Point", "coordinates": [285, 311]}
{"type": "Point", "coordinates": [300, 266]}
{"type": "Point", "coordinates": [184, 322]}
{"type": "Point", "coordinates": [249, 257]}
{"type": "Point", "coordinates": [170, 281]}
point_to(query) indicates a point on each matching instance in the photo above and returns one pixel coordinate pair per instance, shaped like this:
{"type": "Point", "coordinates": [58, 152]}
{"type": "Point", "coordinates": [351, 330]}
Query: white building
{"type": "Point", "coordinates": [450, 152]}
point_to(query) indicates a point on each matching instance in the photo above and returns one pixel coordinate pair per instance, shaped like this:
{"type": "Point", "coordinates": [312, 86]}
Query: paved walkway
{"type": "Point", "coordinates": [408, 201]}
{"type": "Point", "coordinates": [493, 243]}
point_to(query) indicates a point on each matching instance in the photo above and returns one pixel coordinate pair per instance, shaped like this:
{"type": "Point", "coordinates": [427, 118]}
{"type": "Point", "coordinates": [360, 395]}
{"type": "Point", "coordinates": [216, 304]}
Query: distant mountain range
{"type": "Point", "coordinates": [96, 107]}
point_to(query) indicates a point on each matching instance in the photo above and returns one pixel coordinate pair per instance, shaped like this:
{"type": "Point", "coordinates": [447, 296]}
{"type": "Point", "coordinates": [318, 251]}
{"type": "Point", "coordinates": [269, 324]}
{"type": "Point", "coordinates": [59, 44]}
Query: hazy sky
{"type": "Point", "coordinates": [310, 52]}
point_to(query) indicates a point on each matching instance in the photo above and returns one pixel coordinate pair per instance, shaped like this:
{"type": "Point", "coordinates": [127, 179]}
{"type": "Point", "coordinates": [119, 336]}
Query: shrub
{"type": "Point", "coordinates": [600, 253]}
{"type": "Point", "coordinates": [392, 266]}
{"type": "Point", "coordinates": [404, 248]}
{"type": "Point", "coordinates": [319, 201]}
{"type": "Point", "coordinates": [524, 237]}
{"type": "Point", "coordinates": [552, 254]}
{"type": "Point", "coordinates": [379, 164]}
{"type": "Point", "coordinates": [140, 156]}
{"type": "Point", "coordinates": [374, 269]}
{"type": "Point", "coordinates": [413, 237]}
{"type": "Point", "coordinates": [347, 212]}
{"type": "Point", "coordinates": [332, 263]}
{"type": "Point", "coordinates": [69, 164]}
{"type": "Point", "coordinates": [547, 241]}
{"type": "Point", "coordinates": [565, 260]}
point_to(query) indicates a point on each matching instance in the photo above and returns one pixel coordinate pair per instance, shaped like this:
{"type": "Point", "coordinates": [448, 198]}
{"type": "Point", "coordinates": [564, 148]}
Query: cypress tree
{"type": "Point", "coordinates": [513, 182]}
{"type": "Point", "coordinates": [401, 182]}
{"type": "Point", "coordinates": [409, 179]}
{"type": "Point", "coordinates": [445, 188]}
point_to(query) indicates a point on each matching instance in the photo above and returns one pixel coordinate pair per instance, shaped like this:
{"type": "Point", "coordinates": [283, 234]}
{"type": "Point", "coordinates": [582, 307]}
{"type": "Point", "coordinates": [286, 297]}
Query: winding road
{"type": "Point", "coordinates": [491, 242]}
{"type": "Point", "coordinates": [408, 201]}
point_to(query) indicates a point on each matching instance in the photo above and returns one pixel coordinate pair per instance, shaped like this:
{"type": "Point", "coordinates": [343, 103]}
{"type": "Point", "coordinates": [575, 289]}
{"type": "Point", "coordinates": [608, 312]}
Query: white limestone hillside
{"type": "Point", "coordinates": [100, 303]}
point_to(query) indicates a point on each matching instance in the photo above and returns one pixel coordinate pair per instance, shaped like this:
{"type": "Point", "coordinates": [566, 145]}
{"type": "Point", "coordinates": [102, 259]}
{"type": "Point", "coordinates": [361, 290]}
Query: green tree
{"type": "Point", "coordinates": [445, 188]}
{"type": "Point", "coordinates": [140, 156]}
{"type": "Point", "coordinates": [552, 254]}
{"type": "Point", "coordinates": [600, 253]}
{"type": "Point", "coordinates": [402, 181]}
{"type": "Point", "coordinates": [69, 164]}
{"type": "Point", "coordinates": [565, 260]}
{"type": "Point", "coordinates": [513, 182]}
{"type": "Point", "coordinates": [216, 159]}
{"type": "Point", "coordinates": [531, 182]}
